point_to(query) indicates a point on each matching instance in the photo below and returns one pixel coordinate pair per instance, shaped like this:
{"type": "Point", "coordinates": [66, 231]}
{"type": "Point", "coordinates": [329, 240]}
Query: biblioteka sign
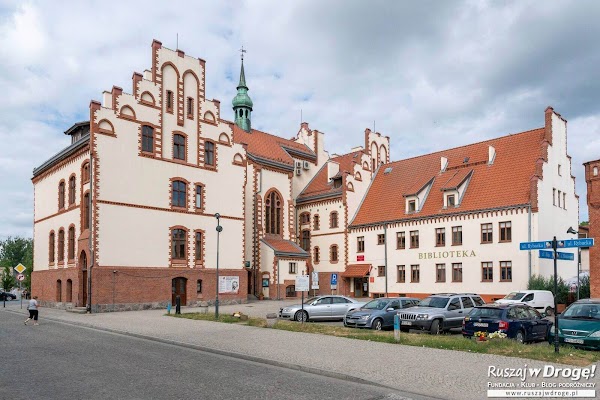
{"type": "Point", "coordinates": [447, 254]}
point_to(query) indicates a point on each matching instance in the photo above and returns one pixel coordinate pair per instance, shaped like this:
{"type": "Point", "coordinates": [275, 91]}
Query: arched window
{"type": "Point", "coordinates": [178, 243]}
{"type": "Point", "coordinates": [316, 222]}
{"type": "Point", "coordinates": [273, 213]}
{"type": "Point", "coordinates": [86, 211]}
{"type": "Point", "coordinates": [147, 139]}
{"type": "Point", "coordinates": [72, 190]}
{"type": "Point", "coordinates": [58, 291]}
{"type": "Point", "coordinates": [61, 195]}
{"type": "Point", "coordinates": [69, 291]}
{"type": "Point", "coordinates": [179, 194]}
{"type": "Point", "coordinates": [51, 246]}
{"type": "Point", "coordinates": [333, 253]}
{"type": "Point", "coordinates": [71, 243]}
{"type": "Point", "coordinates": [305, 218]}
{"type": "Point", "coordinates": [333, 219]}
{"type": "Point", "coordinates": [61, 244]}
{"type": "Point", "coordinates": [179, 147]}
{"type": "Point", "coordinates": [169, 101]}
{"type": "Point", "coordinates": [85, 175]}
{"type": "Point", "coordinates": [595, 171]}
{"type": "Point", "coordinates": [199, 286]}
{"type": "Point", "coordinates": [317, 256]}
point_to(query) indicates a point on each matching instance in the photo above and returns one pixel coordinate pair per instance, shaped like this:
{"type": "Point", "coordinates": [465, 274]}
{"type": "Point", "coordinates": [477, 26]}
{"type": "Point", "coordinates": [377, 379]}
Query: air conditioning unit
{"type": "Point", "coordinates": [298, 171]}
{"type": "Point", "coordinates": [305, 164]}
{"type": "Point", "coordinates": [298, 164]}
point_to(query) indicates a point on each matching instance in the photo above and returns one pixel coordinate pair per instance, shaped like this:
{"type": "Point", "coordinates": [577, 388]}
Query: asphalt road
{"type": "Point", "coordinates": [61, 361]}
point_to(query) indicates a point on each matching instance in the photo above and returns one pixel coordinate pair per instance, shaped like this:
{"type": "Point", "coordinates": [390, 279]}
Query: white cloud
{"type": "Point", "coordinates": [432, 74]}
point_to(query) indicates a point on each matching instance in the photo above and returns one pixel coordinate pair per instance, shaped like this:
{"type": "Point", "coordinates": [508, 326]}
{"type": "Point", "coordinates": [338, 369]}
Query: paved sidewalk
{"type": "Point", "coordinates": [429, 372]}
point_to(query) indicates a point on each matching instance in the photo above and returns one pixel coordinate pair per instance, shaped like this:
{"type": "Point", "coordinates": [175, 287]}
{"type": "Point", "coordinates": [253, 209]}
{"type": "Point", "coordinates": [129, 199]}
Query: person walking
{"type": "Point", "coordinates": [33, 311]}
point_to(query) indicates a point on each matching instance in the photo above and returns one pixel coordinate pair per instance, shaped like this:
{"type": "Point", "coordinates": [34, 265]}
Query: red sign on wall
{"type": "Point", "coordinates": [360, 258]}
{"type": "Point", "coordinates": [372, 279]}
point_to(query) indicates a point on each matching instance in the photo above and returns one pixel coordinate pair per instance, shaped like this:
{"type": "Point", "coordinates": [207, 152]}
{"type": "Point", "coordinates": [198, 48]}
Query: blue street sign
{"type": "Point", "coordinates": [535, 245]}
{"type": "Point", "coordinates": [334, 279]}
{"type": "Point", "coordinates": [587, 242]}
{"type": "Point", "coordinates": [560, 255]}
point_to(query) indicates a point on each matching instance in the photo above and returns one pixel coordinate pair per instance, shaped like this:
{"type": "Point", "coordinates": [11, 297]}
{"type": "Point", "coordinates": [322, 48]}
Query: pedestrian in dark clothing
{"type": "Point", "coordinates": [33, 311]}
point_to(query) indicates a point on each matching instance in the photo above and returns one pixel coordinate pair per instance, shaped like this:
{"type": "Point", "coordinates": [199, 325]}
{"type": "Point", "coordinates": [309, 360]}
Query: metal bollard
{"type": "Point", "coordinates": [177, 305]}
{"type": "Point", "coordinates": [169, 308]}
{"type": "Point", "coordinates": [397, 327]}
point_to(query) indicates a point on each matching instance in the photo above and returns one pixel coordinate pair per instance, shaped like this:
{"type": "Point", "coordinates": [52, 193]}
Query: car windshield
{"type": "Point", "coordinates": [375, 305]}
{"type": "Point", "coordinates": [583, 311]}
{"type": "Point", "coordinates": [484, 312]}
{"type": "Point", "coordinates": [514, 296]}
{"type": "Point", "coordinates": [310, 300]}
{"type": "Point", "coordinates": [435, 302]}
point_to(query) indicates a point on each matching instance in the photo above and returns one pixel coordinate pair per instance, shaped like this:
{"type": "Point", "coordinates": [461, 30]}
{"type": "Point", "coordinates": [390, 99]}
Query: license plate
{"type": "Point", "coordinates": [576, 341]}
{"type": "Point", "coordinates": [406, 323]}
{"type": "Point", "coordinates": [481, 324]}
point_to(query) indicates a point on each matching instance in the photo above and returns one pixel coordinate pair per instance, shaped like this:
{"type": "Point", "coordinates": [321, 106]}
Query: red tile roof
{"type": "Point", "coordinates": [265, 145]}
{"type": "Point", "coordinates": [455, 180]}
{"type": "Point", "coordinates": [320, 185]}
{"type": "Point", "coordinates": [356, 270]}
{"type": "Point", "coordinates": [504, 183]}
{"type": "Point", "coordinates": [286, 247]}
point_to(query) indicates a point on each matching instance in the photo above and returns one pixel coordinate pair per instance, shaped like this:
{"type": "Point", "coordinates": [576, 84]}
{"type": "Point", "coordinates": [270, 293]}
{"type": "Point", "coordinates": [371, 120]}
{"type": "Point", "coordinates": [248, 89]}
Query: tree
{"type": "Point", "coordinates": [8, 280]}
{"type": "Point", "coordinates": [15, 250]}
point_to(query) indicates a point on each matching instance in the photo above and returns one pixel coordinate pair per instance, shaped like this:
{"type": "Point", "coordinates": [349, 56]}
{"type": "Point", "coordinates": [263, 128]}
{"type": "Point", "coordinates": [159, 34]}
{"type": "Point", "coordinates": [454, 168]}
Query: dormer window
{"type": "Point", "coordinates": [412, 206]}
{"type": "Point", "coordinates": [451, 200]}
{"type": "Point", "coordinates": [337, 183]}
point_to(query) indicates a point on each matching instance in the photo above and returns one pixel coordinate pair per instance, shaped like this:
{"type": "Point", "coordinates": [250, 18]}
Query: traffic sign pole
{"type": "Point", "coordinates": [554, 246]}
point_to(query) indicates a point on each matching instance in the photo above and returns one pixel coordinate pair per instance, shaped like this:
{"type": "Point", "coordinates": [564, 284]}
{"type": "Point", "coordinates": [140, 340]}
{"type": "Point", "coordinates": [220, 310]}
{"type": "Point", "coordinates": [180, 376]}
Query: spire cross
{"type": "Point", "coordinates": [242, 51]}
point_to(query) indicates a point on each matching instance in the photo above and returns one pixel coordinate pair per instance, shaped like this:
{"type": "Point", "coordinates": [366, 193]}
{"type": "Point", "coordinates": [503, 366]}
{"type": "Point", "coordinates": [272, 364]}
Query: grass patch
{"type": "Point", "coordinates": [503, 347]}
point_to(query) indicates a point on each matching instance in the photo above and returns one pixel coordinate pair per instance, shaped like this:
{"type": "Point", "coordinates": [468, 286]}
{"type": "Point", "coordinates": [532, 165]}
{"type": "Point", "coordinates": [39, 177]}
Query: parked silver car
{"type": "Point", "coordinates": [320, 307]}
{"type": "Point", "coordinates": [378, 314]}
{"type": "Point", "coordinates": [439, 312]}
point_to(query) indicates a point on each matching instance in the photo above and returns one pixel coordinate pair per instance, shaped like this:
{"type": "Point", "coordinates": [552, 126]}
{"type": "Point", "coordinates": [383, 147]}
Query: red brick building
{"type": "Point", "coordinates": [592, 177]}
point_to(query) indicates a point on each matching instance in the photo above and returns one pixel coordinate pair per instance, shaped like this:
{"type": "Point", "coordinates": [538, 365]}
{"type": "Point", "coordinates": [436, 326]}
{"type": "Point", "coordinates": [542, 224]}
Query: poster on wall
{"type": "Point", "coordinates": [229, 284]}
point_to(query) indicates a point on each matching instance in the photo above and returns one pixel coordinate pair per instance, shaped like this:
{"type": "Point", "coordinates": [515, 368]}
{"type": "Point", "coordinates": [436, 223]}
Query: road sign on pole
{"type": "Point", "coordinates": [535, 245]}
{"type": "Point", "coordinates": [20, 268]}
{"type": "Point", "coordinates": [315, 280]}
{"type": "Point", "coordinates": [334, 280]}
{"type": "Point", "coordinates": [585, 242]}
{"type": "Point", "coordinates": [561, 255]}
{"type": "Point", "coordinates": [20, 277]}
{"type": "Point", "coordinates": [302, 283]}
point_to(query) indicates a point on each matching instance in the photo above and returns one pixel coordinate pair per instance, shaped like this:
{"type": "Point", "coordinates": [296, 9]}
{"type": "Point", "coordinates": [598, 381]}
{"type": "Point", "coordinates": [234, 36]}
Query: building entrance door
{"type": "Point", "coordinates": [361, 287]}
{"type": "Point", "coordinates": [178, 289]}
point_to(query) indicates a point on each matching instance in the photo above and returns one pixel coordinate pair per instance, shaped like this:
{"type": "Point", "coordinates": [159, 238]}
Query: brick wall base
{"type": "Point", "coordinates": [594, 232]}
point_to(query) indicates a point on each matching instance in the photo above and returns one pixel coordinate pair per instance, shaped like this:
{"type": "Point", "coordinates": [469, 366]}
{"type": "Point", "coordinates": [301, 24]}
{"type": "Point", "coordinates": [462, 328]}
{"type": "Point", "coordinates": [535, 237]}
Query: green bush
{"type": "Point", "coordinates": [584, 287]}
{"type": "Point", "coordinates": [538, 282]}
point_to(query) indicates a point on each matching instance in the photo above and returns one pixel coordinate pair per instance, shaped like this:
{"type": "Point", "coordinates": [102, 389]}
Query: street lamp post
{"type": "Point", "coordinates": [219, 230]}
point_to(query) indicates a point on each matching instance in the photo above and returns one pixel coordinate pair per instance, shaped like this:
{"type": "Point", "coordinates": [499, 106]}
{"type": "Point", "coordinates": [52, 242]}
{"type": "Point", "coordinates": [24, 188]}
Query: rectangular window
{"type": "Point", "coordinates": [415, 273]}
{"type": "Point", "coordinates": [564, 200]}
{"type": "Point", "coordinates": [440, 236]}
{"type": "Point", "coordinates": [400, 240]}
{"type": "Point", "coordinates": [456, 235]}
{"type": "Point", "coordinates": [401, 274]}
{"type": "Point", "coordinates": [198, 246]}
{"type": "Point", "coordinates": [179, 147]}
{"type": "Point", "coordinates": [559, 192]}
{"type": "Point", "coordinates": [169, 101]}
{"type": "Point", "coordinates": [487, 272]}
{"type": "Point", "coordinates": [360, 244]}
{"type": "Point", "coordinates": [293, 268]}
{"type": "Point", "coordinates": [505, 231]}
{"type": "Point", "coordinates": [381, 270]}
{"type": "Point", "coordinates": [209, 153]}
{"type": "Point", "coordinates": [559, 172]}
{"type": "Point", "coordinates": [412, 206]}
{"type": "Point", "coordinates": [333, 219]}
{"type": "Point", "coordinates": [451, 200]}
{"type": "Point", "coordinates": [316, 222]}
{"type": "Point", "coordinates": [317, 255]}
{"type": "Point", "coordinates": [505, 271]}
{"type": "Point", "coordinates": [456, 272]}
{"type": "Point", "coordinates": [414, 239]}
{"type": "Point", "coordinates": [334, 253]}
{"type": "Point", "coordinates": [306, 240]}
{"type": "Point", "coordinates": [190, 107]}
{"type": "Point", "coordinates": [486, 233]}
{"type": "Point", "coordinates": [440, 272]}
{"type": "Point", "coordinates": [147, 139]}
{"type": "Point", "coordinates": [381, 239]}
{"type": "Point", "coordinates": [553, 197]}
{"type": "Point", "coordinates": [86, 211]}
{"type": "Point", "coordinates": [198, 196]}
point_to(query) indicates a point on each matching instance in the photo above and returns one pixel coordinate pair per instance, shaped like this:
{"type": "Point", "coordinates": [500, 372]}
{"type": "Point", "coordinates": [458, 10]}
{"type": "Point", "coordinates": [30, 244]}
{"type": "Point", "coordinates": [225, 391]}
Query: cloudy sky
{"type": "Point", "coordinates": [431, 74]}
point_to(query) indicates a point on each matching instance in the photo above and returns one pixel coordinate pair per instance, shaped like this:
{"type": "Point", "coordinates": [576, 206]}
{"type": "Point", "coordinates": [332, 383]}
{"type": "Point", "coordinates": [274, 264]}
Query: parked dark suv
{"type": "Point", "coordinates": [439, 312]}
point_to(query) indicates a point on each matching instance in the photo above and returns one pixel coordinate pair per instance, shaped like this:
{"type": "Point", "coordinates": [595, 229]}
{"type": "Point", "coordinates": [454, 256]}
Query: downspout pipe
{"type": "Point", "coordinates": [529, 236]}
{"type": "Point", "coordinates": [385, 258]}
{"type": "Point", "coordinates": [91, 229]}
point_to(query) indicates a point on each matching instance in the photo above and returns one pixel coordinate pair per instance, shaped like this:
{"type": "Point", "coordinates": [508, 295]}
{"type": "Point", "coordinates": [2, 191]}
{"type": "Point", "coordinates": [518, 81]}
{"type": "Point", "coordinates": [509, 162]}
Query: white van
{"type": "Point", "coordinates": [541, 300]}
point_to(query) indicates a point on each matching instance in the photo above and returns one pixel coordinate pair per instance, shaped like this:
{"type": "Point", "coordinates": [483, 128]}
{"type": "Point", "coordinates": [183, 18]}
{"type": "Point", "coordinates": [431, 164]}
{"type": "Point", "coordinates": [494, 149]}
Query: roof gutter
{"type": "Point", "coordinates": [63, 154]}
{"type": "Point", "coordinates": [318, 197]}
{"type": "Point", "coordinates": [270, 163]}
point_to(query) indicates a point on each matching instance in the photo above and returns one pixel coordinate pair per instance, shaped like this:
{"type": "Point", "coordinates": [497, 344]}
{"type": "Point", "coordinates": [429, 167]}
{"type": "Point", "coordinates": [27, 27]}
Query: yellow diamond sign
{"type": "Point", "coordinates": [20, 268]}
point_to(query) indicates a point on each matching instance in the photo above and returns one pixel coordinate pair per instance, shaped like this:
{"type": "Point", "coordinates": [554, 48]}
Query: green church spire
{"type": "Point", "coordinates": [242, 104]}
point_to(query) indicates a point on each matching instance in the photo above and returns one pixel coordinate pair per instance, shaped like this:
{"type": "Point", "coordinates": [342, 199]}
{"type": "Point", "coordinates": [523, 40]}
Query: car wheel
{"type": "Point", "coordinates": [520, 337]}
{"type": "Point", "coordinates": [377, 325]}
{"type": "Point", "coordinates": [435, 327]}
{"type": "Point", "coordinates": [301, 316]}
{"type": "Point", "coordinates": [549, 311]}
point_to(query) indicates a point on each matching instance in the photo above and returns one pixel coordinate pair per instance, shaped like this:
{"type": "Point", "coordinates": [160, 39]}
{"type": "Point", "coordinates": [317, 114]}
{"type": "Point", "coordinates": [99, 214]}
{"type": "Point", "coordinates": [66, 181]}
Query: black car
{"type": "Point", "coordinates": [519, 321]}
{"type": "Point", "coordinates": [7, 296]}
